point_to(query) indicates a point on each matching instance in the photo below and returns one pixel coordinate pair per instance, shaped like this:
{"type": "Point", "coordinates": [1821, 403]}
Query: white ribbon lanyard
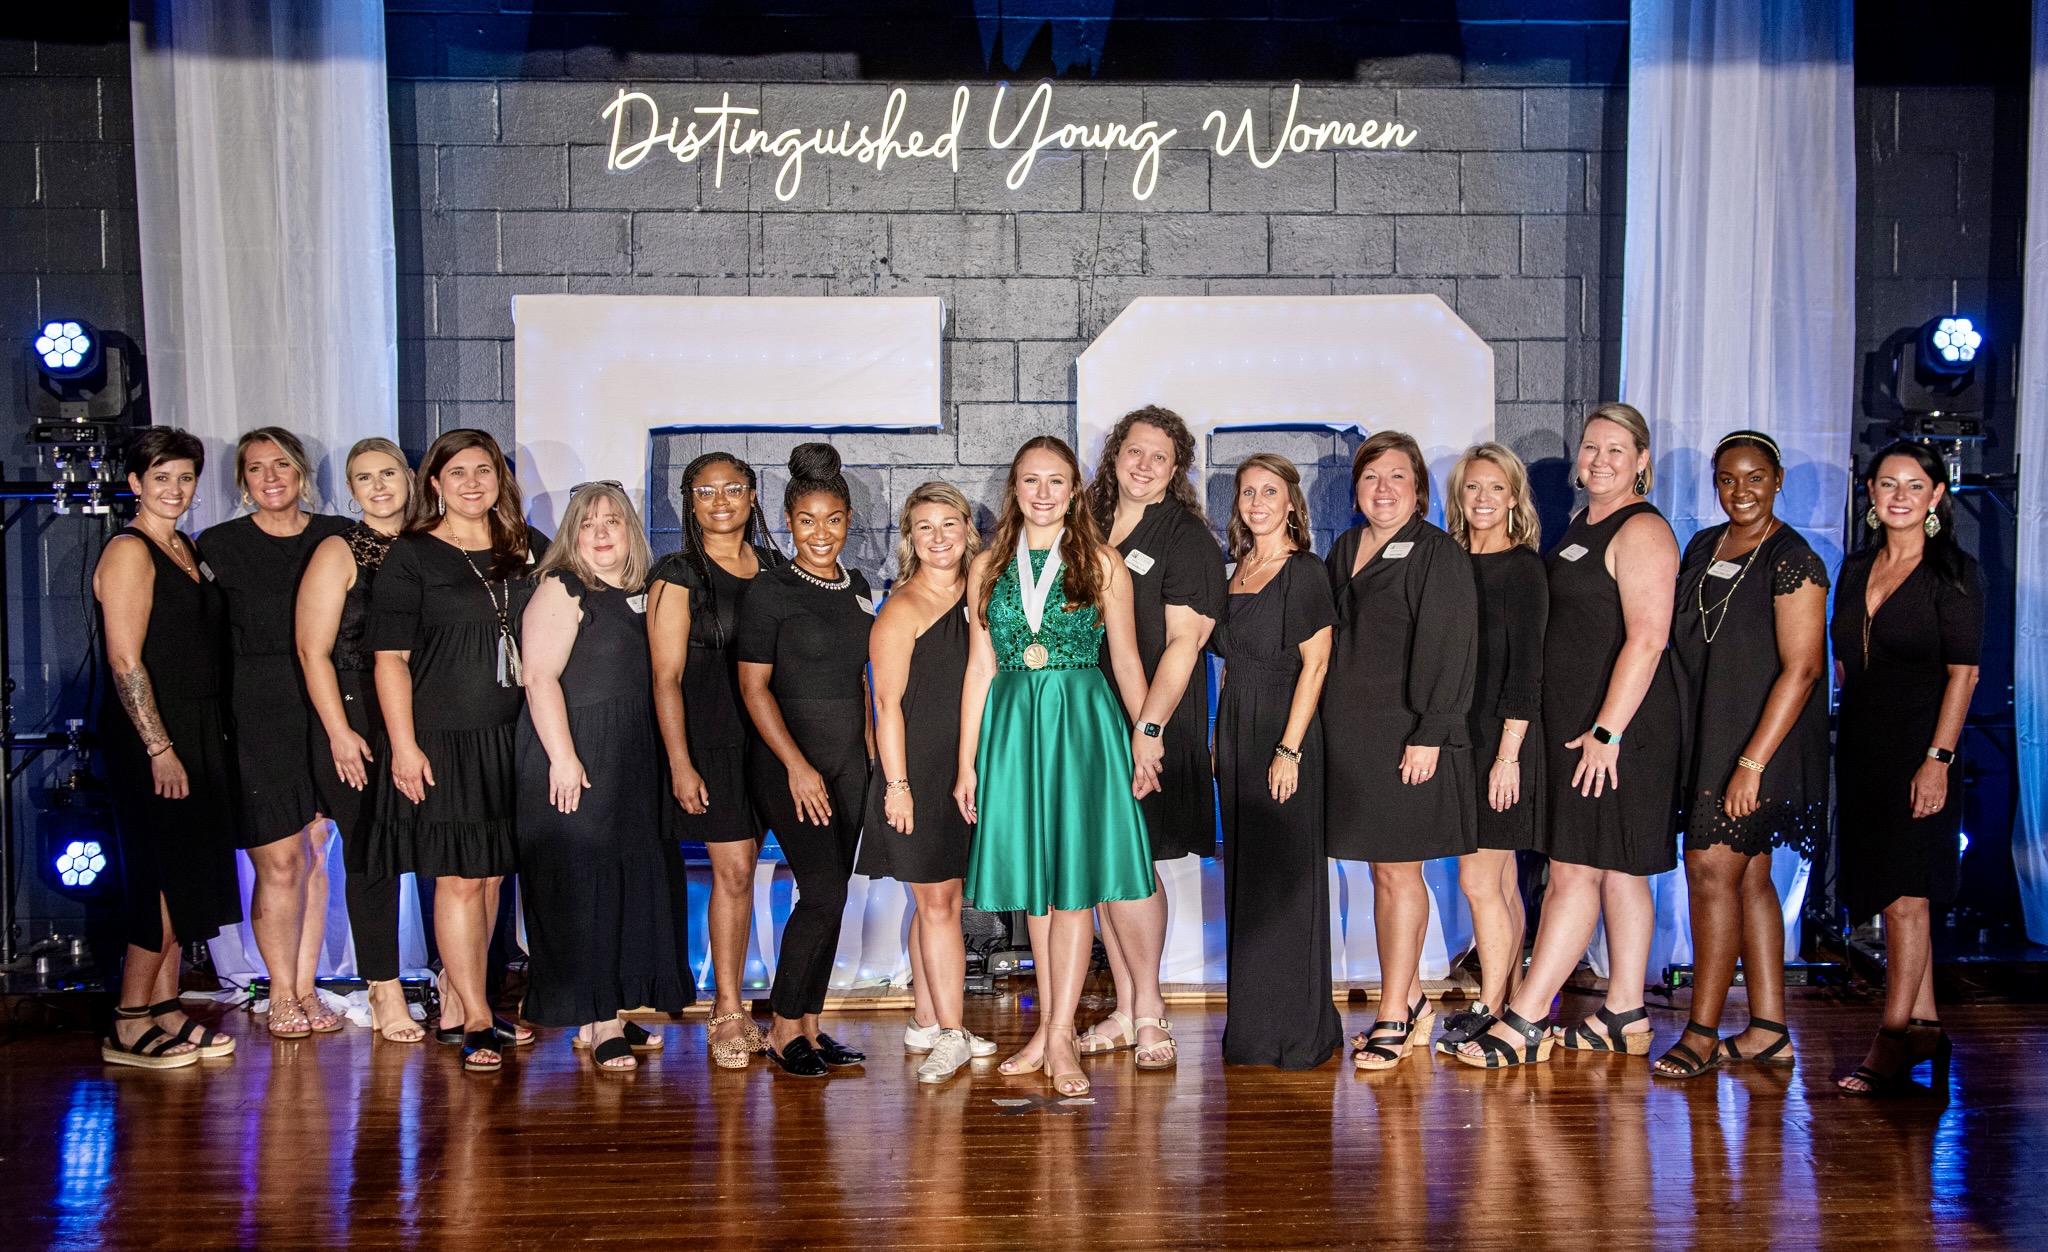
{"type": "Point", "coordinates": [1035, 592]}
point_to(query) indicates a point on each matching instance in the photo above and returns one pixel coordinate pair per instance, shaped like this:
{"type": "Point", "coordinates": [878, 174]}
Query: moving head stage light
{"type": "Point", "coordinates": [84, 388]}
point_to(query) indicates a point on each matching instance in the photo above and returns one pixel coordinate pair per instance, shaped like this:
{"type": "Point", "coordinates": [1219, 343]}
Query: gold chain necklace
{"type": "Point", "coordinates": [1701, 597]}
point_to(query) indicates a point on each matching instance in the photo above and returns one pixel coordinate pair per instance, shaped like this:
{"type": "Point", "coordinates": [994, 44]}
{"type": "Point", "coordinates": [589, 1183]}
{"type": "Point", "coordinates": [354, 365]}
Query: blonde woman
{"type": "Point", "coordinates": [347, 732]}
{"type": "Point", "coordinates": [1489, 511]}
{"type": "Point", "coordinates": [915, 833]}
{"type": "Point", "coordinates": [600, 923]}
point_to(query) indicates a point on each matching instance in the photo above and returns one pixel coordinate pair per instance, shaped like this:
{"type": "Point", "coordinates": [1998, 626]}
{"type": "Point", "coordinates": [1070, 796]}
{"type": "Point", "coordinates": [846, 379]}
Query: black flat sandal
{"type": "Point", "coordinates": [482, 1041]}
{"type": "Point", "coordinates": [1779, 1053]}
{"type": "Point", "coordinates": [797, 1059]}
{"type": "Point", "coordinates": [512, 1032]}
{"type": "Point", "coordinates": [1493, 1054]}
{"type": "Point", "coordinates": [212, 1044]}
{"type": "Point", "coordinates": [641, 1039]}
{"type": "Point", "coordinates": [1690, 1063]}
{"type": "Point", "coordinates": [611, 1050]}
{"type": "Point", "coordinates": [1582, 1038]}
{"type": "Point", "coordinates": [837, 1054]}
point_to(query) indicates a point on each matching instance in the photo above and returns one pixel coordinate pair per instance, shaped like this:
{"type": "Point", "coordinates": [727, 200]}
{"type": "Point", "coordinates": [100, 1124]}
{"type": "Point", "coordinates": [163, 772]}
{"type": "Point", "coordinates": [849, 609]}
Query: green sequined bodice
{"type": "Point", "coordinates": [1074, 638]}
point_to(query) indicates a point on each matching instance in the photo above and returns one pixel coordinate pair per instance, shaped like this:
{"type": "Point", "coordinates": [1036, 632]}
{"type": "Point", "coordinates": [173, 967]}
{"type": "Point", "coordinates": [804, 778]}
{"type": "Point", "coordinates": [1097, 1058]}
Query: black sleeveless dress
{"type": "Point", "coordinates": [260, 573]}
{"type": "Point", "coordinates": [183, 850]}
{"type": "Point", "coordinates": [713, 714]}
{"type": "Point", "coordinates": [355, 673]}
{"type": "Point", "coordinates": [938, 847]}
{"type": "Point", "coordinates": [598, 885]}
{"type": "Point", "coordinates": [1631, 828]}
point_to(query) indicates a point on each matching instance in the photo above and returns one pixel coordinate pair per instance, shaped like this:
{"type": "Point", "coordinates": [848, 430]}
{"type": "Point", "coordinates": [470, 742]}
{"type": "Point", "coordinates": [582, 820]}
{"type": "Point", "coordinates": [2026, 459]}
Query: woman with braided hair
{"type": "Point", "coordinates": [693, 609]}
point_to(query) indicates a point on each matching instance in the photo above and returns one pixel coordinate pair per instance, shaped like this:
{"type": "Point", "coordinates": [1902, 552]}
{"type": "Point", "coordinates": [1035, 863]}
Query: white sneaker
{"type": "Point", "coordinates": [948, 1053]}
{"type": "Point", "coordinates": [919, 1039]}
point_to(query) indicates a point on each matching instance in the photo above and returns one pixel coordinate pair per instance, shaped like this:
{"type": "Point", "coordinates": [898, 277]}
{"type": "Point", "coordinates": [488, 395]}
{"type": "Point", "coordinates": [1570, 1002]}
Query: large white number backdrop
{"type": "Point", "coordinates": [1336, 362]}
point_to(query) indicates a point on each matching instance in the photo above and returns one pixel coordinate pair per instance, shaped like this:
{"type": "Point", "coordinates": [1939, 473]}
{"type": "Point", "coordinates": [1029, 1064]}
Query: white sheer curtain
{"type": "Point", "coordinates": [2030, 660]}
{"type": "Point", "coordinates": [1738, 269]}
{"type": "Point", "coordinates": [263, 182]}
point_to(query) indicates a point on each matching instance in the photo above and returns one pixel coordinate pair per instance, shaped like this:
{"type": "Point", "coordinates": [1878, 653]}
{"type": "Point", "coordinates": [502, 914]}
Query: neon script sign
{"type": "Point", "coordinates": [726, 130]}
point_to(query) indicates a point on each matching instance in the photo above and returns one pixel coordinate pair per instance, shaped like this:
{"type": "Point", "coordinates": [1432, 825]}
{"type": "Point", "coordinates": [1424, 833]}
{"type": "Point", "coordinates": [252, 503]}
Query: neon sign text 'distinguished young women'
{"type": "Point", "coordinates": [726, 129]}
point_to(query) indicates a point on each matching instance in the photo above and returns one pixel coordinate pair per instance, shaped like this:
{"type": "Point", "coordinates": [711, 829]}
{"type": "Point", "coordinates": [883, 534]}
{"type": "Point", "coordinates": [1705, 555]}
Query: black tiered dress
{"type": "Point", "coordinates": [941, 840]}
{"type": "Point", "coordinates": [1276, 883]}
{"type": "Point", "coordinates": [1630, 828]}
{"type": "Point", "coordinates": [597, 884]}
{"type": "Point", "coordinates": [271, 717]}
{"type": "Point", "coordinates": [183, 850]}
{"type": "Point", "coordinates": [713, 715]}
{"type": "Point", "coordinates": [1173, 559]}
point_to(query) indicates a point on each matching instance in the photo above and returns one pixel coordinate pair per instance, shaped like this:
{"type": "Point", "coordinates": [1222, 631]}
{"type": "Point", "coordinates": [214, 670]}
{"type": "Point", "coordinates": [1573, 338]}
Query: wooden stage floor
{"type": "Point", "coordinates": [347, 1140]}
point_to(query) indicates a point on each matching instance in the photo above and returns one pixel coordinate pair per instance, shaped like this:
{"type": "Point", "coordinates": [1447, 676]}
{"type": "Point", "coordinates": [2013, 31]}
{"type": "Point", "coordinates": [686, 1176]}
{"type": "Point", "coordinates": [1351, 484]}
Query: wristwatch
{"type": "Point", "coordinates": [1604, 735]}
{"type": "Point", "coordinates": [1946, 756]}
{"type": "Point", "coordinates": [1152, 729]}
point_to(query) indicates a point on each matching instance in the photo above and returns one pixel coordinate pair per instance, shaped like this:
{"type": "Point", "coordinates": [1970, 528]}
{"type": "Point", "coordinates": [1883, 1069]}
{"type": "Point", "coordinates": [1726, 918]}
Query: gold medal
{"type": "Point", "coordinates": [1037, 656]}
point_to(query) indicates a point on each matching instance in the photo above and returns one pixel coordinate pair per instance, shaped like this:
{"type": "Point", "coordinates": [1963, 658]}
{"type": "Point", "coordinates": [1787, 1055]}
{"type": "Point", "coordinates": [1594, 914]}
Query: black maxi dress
{"type": "Point", "coordinates": [1276, 882]}
{"type": "Point", "coordinates": [1630, 828]}
{"type": "Point", "coordinates": [815, 638]}
{"type": "Point", "coordinates": [182, 850]}
{"type": "Point", "coordinates": [372, 895]}
{"type": "Point", "coordinates": [713, 715]}
{"type": "Point", "coordinates": [596, 884]}
{"type": "Point", "coordinates": [1401, 673]}
{"type": "Point", "coordinates": [439, 603]}
{"type": "Point", "coordinates": [940, 841]}
{"type": "Point", "coordinates": [1173, 559]}
{"type": "Point", "coordinates": [1514, 602]}
{"type": "Point", "coordinates": [1729, 681]}
{"type": "Point", "coordinates": [1890, 703]}
{"type": "Point", "coordinates": [271, 717]}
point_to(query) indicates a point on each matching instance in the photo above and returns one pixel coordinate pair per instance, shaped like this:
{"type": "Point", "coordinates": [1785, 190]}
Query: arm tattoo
{"type": "Point", "coordinates": [140, 700]}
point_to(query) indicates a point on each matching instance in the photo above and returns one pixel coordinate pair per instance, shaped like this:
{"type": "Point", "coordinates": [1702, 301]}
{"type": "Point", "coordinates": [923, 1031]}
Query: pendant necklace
{"type": "Point", "coordinates": [508, 647]}
{"type": "Point", "coordinates": [1710, 630]}
{"type": "Point", "coordinates": [1034, 592]}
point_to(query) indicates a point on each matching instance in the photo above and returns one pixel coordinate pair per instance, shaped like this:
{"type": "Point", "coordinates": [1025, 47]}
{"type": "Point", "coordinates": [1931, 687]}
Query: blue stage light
{"type": "Point", "coordinates": [81, 863]}
{"type": "Point", "coordinates": [68, 349]}
{"type": "Point", "coordinates": [1949, 345]}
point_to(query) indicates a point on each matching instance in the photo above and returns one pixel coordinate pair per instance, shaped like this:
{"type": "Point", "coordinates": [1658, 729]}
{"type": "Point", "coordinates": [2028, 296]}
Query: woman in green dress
{"type": "Point", "coordinates": [1046, 761]}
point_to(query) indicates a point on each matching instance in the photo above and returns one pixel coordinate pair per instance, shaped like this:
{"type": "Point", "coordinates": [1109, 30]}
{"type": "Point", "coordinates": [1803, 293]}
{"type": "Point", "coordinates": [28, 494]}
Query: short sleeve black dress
{"type": "Point", "coordinates": [940, 841]}
{"type": "Point", "coordinates": [1514, 603]}
{"type": "Point", "coordinates": [713, 715]}
{"type": "Point", "coordinates": [1276, 883]}
{"type": "Point", "coordinates": [1631, 828]}
{"type": "Point", "coordinates": [271, 716]}
{"type": "Point", "coordinates": [1173, 559]}
{"type": "Point", "coordinates": [1401, 673]}
{"type": "Point", "coordinates": [182, 850]}
{"type": "Point", "coordinates": [1724, 641]}
{"type": "Point", "coordinates": [439, 603]}
{"type": "Point", "coordinates": [598, 885]}
{"type": "Point", "coordinates": [1895, 667]}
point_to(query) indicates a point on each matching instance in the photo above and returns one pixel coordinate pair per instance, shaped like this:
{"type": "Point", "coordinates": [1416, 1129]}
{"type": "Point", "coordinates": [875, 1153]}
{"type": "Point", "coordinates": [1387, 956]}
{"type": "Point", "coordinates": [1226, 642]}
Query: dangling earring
{"type": "Point", "coordinates": [1642, 484]}
{"type": "Point", "coordinates": [1870, 517]}
{"type": "Point", "coordinates": [1511, 523]}
{"type": "Point", "coordinates": [1932, 525]}
{"type": "Point", "coordinates": [440, 506]}
{"type": "Point", "coordinates": [246, 500]}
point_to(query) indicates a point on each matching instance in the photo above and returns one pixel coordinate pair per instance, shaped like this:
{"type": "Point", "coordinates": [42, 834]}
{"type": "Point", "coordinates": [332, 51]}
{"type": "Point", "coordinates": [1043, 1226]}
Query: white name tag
{"type": "Point", "coordinates": [1574, 552]}
{"type": "Point", "coordinates": [637, 603]}
{"type": "Point", "coordinates": [1138, 562]}
{"type": "Point", "coordinates": [1395, 551]}
{"type": "Point", "coordinates": [867, 606]}
{"type": "Point", "coordinates": [207, 570]}
{"type": "Point", "coordinates": [1723, 569]}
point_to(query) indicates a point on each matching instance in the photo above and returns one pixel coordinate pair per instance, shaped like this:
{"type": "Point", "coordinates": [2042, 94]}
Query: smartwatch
{"type": "Point", "coordinates": [1152, 729]}
{"type": "Point", "coordinates": [1946, 756]}
{"type": "Point", "coordinates": [1604, 735]}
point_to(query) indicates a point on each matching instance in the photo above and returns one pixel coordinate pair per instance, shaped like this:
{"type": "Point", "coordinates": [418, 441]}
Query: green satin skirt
{"type": "Point", "coordinates": [1058, 827]}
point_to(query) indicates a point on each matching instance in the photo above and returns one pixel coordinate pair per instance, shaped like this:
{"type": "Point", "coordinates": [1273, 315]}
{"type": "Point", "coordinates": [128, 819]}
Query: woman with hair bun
{"type": "Point", "coordinates": [807, 692]}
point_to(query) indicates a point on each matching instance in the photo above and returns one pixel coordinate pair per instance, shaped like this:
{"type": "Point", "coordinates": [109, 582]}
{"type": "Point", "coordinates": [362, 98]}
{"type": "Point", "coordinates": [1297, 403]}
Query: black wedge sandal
{"type": "Point", "coordinates": [212, 1044]}
{"type": "Point", "coordinates": [1383, 1046]}
{"type": "Point", "coordinates": [1617, 1040]}
{"type": "Point", "coordinates": [1690, 1063]}
{"type": "Point", "coordinates": [1779, 1053]}
{"type": "Point", "coordinates": [1465, 1027]}
{"type": "Point", "coordinates": [151, 1049]}
{"type": "Point", "coordinates": [1493, 1054]}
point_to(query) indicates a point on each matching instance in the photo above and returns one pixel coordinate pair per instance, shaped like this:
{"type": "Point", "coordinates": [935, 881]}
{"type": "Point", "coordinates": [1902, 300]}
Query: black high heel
{"type": "Point", "coordinates": [1892, 1074]}
{"type": "Point", "coordinates": [1941, 1055]}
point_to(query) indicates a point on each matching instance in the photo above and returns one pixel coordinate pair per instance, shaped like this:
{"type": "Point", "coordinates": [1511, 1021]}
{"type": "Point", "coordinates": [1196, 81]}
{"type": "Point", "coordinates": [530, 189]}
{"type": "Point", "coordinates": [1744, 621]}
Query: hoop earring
{"type": "Point", "coordinates": [440, 506]}
{"type": "Point", "coordinates": [1870, 517]}
{"type": "Point", "coordinates": [247, 500]}
{"type": "Point", "coordinates": [354, 506]}
{"type": "Point", "coordinates": [1932, 525]}
{"type": "Point", "coordinates": [1642, 484]}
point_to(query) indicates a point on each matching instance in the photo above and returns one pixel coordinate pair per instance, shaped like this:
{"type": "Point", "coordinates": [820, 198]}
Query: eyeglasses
{"type": "Point", "coordinates": [731, 491]}
{"type": "Point", "coordinates": [613, 483]}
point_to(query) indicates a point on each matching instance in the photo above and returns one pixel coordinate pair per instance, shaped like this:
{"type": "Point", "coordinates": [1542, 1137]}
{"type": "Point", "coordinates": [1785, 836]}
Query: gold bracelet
{"type": "Point", "coordinates": [1501, 760]}
{"type": "Point", "coordinates": [900, 784]}
{"type": "Point", "coordinates": [1286, 753]}
{"type": "Point", "coordinates": [1505, 731]}
{"type": "Point", "coordinates": [1746, 763]}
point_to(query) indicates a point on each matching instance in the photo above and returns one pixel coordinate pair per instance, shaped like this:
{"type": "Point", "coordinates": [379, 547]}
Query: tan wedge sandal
{"type": "Point", "coordinates": [734, 1053]}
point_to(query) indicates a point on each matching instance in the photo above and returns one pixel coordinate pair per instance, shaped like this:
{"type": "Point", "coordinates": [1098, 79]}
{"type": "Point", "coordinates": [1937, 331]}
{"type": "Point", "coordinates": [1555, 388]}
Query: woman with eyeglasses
{"type": "Point", "coordinates": [694, 598]}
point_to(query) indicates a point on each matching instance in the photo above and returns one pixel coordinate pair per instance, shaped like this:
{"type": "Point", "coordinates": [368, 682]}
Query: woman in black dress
{"type": "Point", "coordinates": [1401, 790]}
{"type": "Point", "coordinates": [1145, 501]}
{"type": "Point", "coordinates": [347, 733]}
{"type": "Point", "coordinates": [1612, 809]}
{"type": "Point", "coordinates": [1909, 623]}
{"type": "Point", "coordinates": [1750, 641]}
{"type": "Point", "coordinates": [693, 612]}
{"type": "Point", "coordinates": [1275, 642]}
{"type": "Point", "coordinates": [807, 692]}
{"type": "Point", "coordinates": [258, 561]}
{"type": "Point", "coordinates": [601, 928]}
{"type": "Point", "coordinates": [442, 624]}
{"type": "Point", "coordinates": [1490, 511]}
{"type": "Point", "coordinates": [164, 742]}
{"type": "Point", "coordinates": [915, 833]}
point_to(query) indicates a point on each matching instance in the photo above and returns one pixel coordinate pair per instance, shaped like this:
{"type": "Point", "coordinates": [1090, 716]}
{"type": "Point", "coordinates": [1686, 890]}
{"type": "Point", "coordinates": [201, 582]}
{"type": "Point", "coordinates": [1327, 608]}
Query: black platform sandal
{"type": "Point", "coordinates": [1382, 1047]}
{"type": "Point", "coordinates": [151, 1049]}
{"type": "Point", "coordinates": [1690, 1063]}
{"type": "Point", "coordinates": [1942, 1055]}
{"type": "Point", "coordinates": [212, 1044]}
{"type": "Point", "coordinates": [1493, 1054]}
{"type": "Point", "coordinates": [1582, 1038]}
{"type": "Point", "coordinates": [1465, 1027]}
{"type": "Point", "coordinates": [485, 1041]}
{"type": "Point", "coordinates": [1779, 1053]}
{"type": "Point", "coordinates": [614, 1049]}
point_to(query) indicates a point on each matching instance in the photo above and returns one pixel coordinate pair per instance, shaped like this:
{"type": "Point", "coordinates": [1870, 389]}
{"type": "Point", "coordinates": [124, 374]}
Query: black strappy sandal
{"type": "Point", "coordinates": [1779, 1053]}
{"type": "Point", "coordinates": [1582, 1038]}
{"type": "Point", "coordinates": [1383, 1046]}
{"type": "Point", "coordinates": [1691, 1064]}
{"type": "Point", "coordinates": [1892, 1075]}
{"type": "Point", "coordinates": [1465, 1027]}
{"type": "Point", "coordinates": [212, 1044]}
{"type": "Point", "coordinates": [613, 1049]}
{"type": "Point", "coordinates": [151, 1049]}
{"type": "Point", "coordinates": [482, 1041]}
{"type": "Point", "coordinates": [1537, 1042]}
